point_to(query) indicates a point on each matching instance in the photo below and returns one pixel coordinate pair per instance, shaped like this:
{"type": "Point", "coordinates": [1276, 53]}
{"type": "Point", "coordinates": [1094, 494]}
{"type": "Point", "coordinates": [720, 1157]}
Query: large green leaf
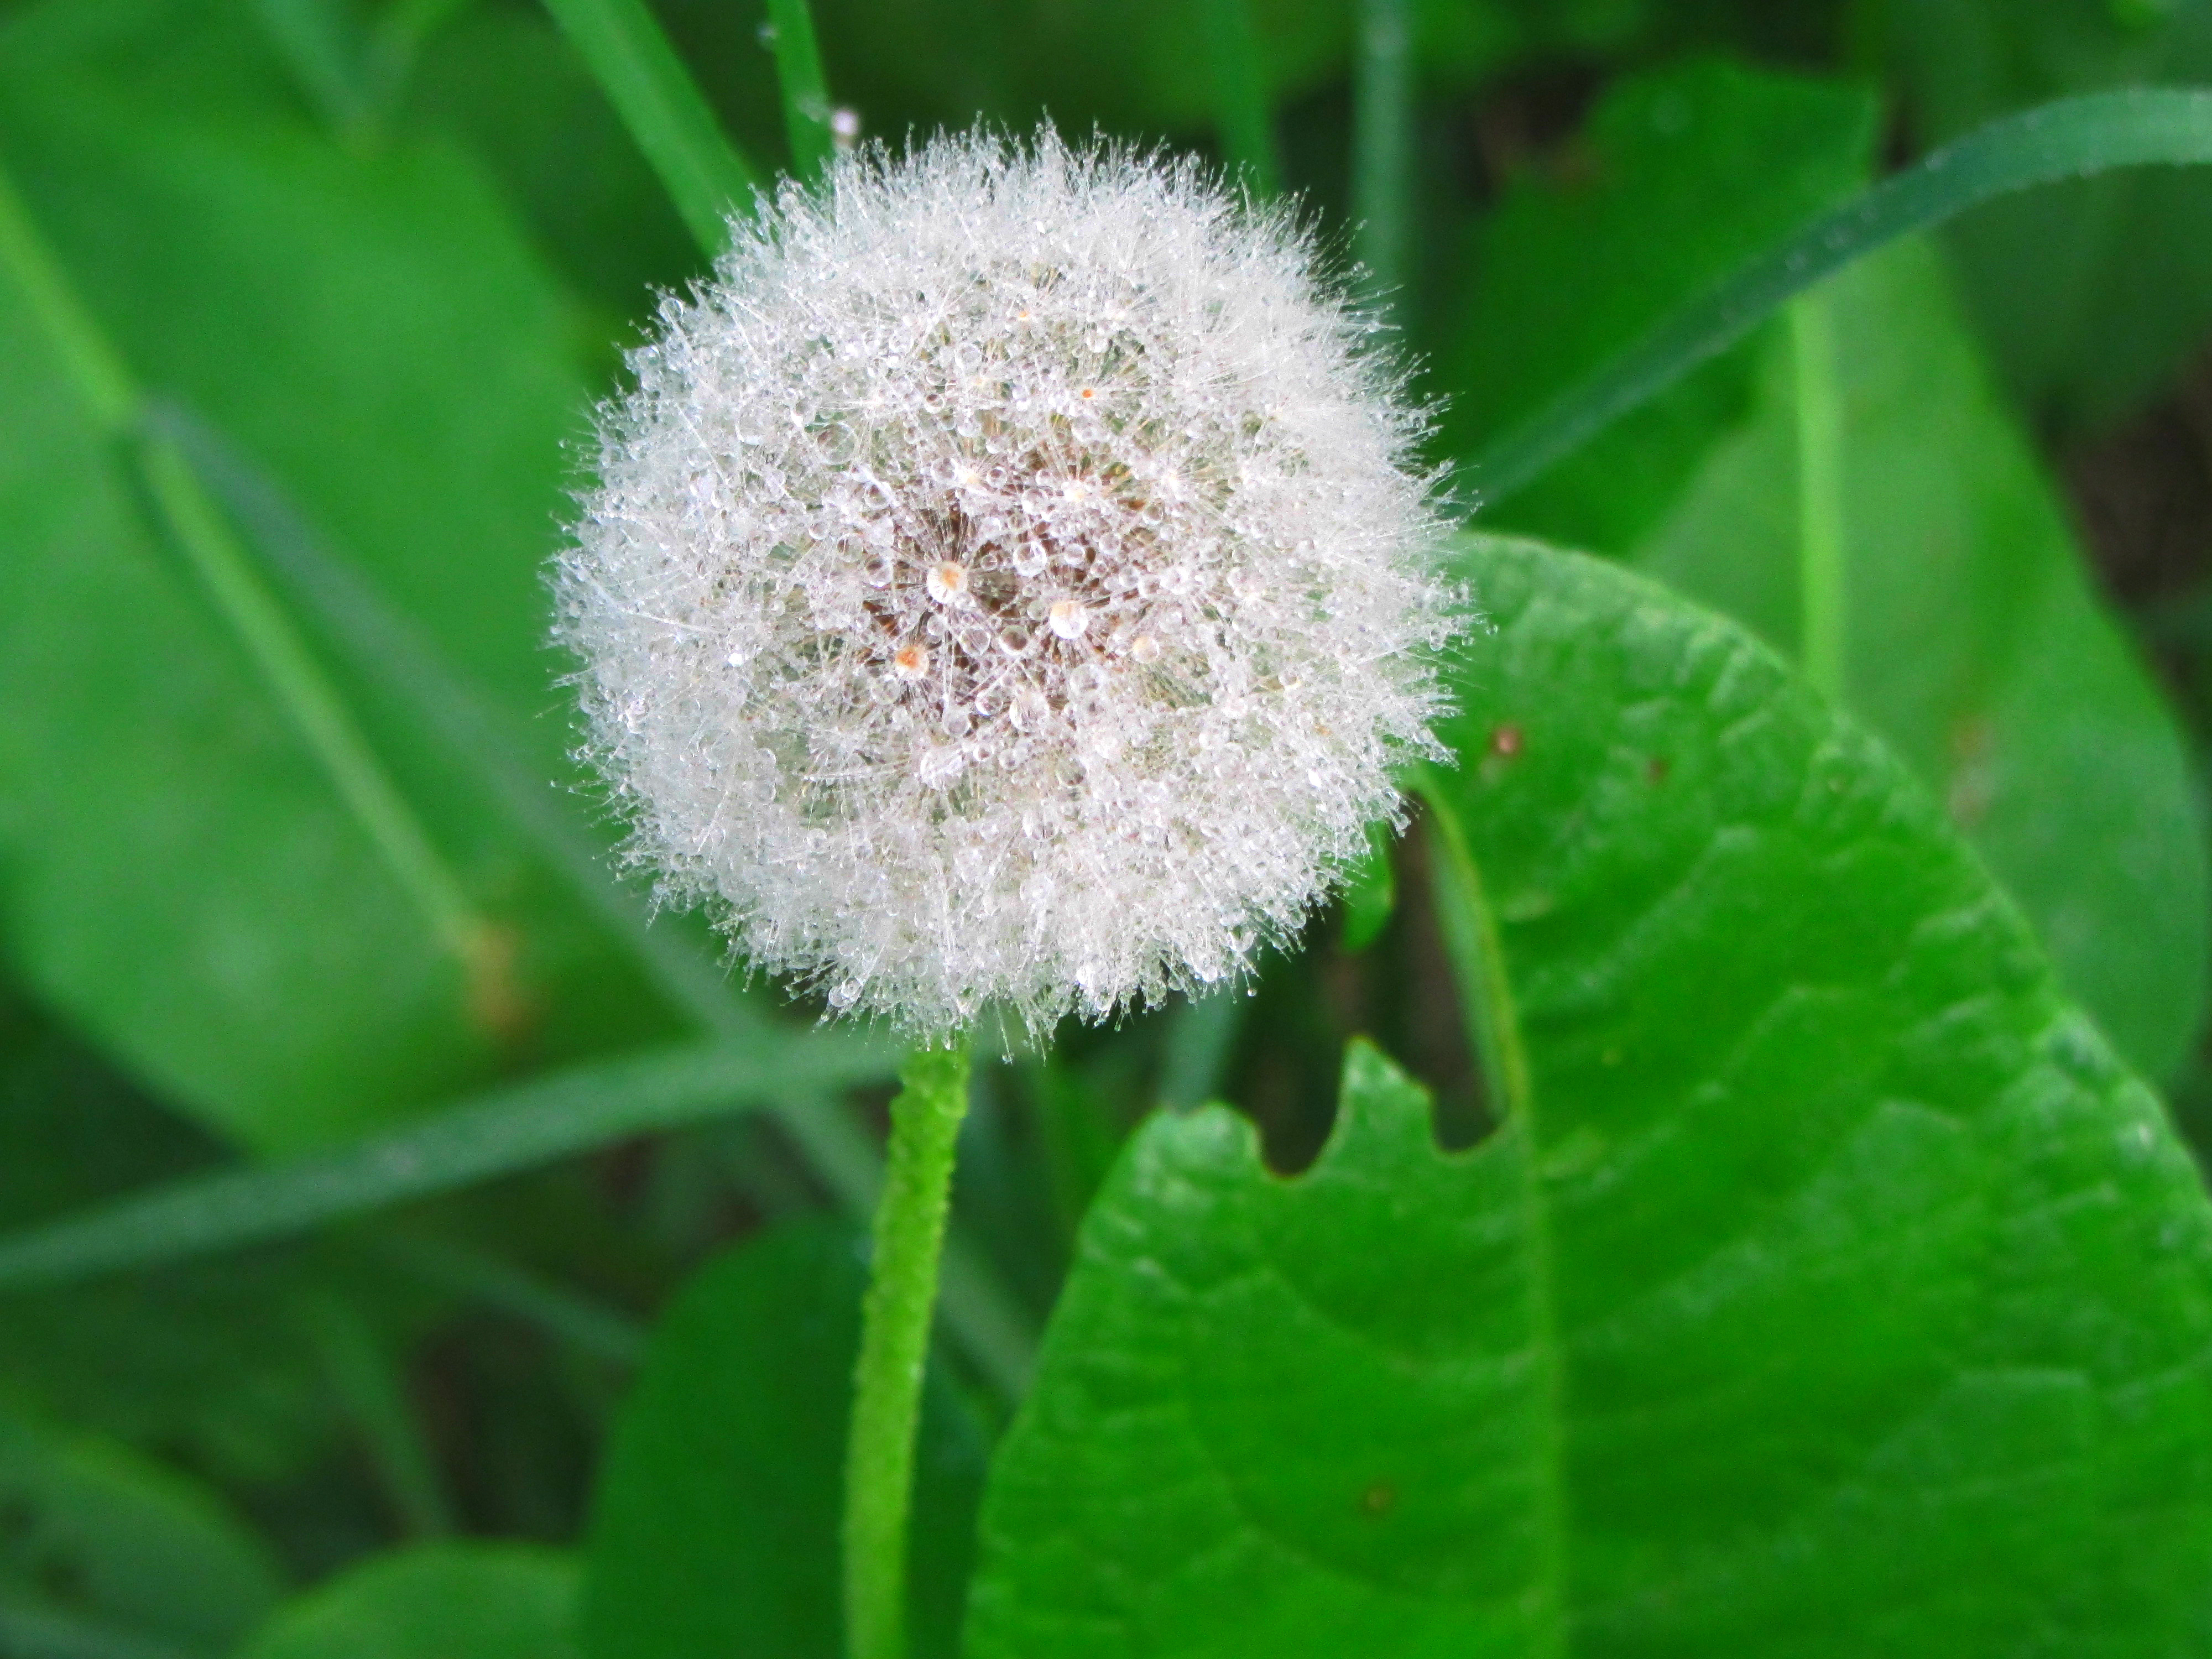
{"type": "Point", "coordinates": [474, 1601]}
{"type": "Point", "coordinates": [1972, 642]}
{"type": "Point", "coordinates": [95, 1539]}
{"type": "Point", "coordinates": [1679, 176]}
{"type": "Point", "coordinates": [180, 876]}
{"type": "Point", "coordinates": [2092, 292]}
{"type": "Point", "coordinates": [177, 875]}
{"type": "Point", "coordinates": [1829, 1289]}
{"type": "Point", "coordinates": [714, 1528]}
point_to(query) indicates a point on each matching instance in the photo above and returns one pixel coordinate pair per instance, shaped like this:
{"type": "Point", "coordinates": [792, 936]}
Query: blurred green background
{"type": "Point", "coordinates": [366, 266]}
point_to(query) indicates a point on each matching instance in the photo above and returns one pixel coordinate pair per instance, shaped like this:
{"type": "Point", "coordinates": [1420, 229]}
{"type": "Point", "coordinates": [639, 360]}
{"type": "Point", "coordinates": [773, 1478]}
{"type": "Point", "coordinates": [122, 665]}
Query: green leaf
{"type": "Point", "coordinates": [447, 1601]}
{"type": "Point", "coordinates": [1828, 1290]}
{"type": "Point", "coordinates": [2094, 293]}
{"type": "Point", "coordinates": [180, 877]}
{"type": "Point", "coordinates": [714, 1527]}
{"type": "Point", "coordinates": [92, 1535]}
{"type": "Point", "coordinates": [799, 78]}
{"type": "Point", "coordinates": [1972, 643]}
{"type": "Point", "coordinates": [1133, 66]}
{"type": "Point", "coordinates": [1968, 637]}
{"type": "Point", "coordinates": [1679, 177]}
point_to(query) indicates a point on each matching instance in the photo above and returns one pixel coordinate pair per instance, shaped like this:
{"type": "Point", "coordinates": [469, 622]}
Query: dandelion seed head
{"type": "Point", "coordinates": [1006, 582]}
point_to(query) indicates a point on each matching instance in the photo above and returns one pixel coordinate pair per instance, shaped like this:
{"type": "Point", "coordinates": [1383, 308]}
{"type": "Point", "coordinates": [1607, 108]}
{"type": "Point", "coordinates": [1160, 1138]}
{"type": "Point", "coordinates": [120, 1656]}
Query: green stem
{"type": "Point", "coordinates": [103, 384]}
{"type": "Point", "coordinates": [623, 45]}
{"type": "Point", "coordinates": [1200, 1037]}
{"type": "Point", "coordinates": [1383, 140]}
{"type": "Point", "coordinates": [805, 93]}
{"type": "Point", "coordinates": [909, 1238]}
{"type": "Point", "coordinates": [1820, 552]}
{"type": "Point", "coordinates": [374, 1397]}
{"type": "Point", "coordinates": [260, 626]}
{"type": "Point", "coordinates": [1246, 125]}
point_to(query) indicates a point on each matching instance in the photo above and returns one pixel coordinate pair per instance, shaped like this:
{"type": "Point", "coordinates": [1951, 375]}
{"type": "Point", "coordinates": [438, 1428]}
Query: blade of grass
{"type": "Point", "coordinates": [499, 1133]}
{"type": "Point", "coordinates": [361, 1373]}
{"type": "Point", "coordinates": [2070, 138]}
{"type": "Point", "coordinates": [110, 399]}
{"type": "Point", "coordinates": [1382, 143]}
{"type": "Point", "coordinates": [585, 1324]}
{"type": "Point", "coordinates": [623, 47]}
{"type": "Point", "coordinates": [978, 1309]}
{"type": "Point", "coordinates": [1241, 117]}
{"type": "Point", "coordinates": [806, 94]}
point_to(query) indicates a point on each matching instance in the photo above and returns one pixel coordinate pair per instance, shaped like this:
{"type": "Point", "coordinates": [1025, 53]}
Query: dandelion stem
{"type": "Point", "coordinates": [895, 1321]}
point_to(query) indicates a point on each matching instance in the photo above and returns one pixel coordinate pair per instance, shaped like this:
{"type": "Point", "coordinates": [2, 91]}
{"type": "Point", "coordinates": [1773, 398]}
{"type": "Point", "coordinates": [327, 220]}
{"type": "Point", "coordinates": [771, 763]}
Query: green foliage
{"type": "Point", "coordinates": [1972, 642]}
{"type": "Point", "coordinates": [715, 1525]}
{"type": "Point", "coordinates": [99, 1543]}
{"type": "Point", "coordinates": [1807, 1276]}
{"type": "Point", "coordinates": [435, 1602]}
{"type": "Point", "coordinates": [271, 979]}
{"type": "Point", "coordinates": [1830, 1289]}
{"type": "Point", "coordinates": [1679, 176]}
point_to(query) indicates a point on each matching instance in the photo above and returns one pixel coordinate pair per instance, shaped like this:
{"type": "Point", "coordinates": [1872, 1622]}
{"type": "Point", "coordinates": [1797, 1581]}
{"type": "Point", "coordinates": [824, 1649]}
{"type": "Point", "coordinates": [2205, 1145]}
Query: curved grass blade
{"type": "Point", "coordinates": [805, 93]}
{"type": "Point", "coordinates": [586, 1325]}
{"type": "Point", "coordinates": [2070, 138]}
{"type": "Point", "coordinates": [628, 54]}
{"type": "Point", "coordinates": [361, 1372]}
{"type": "Point", "coordinates": [496, 1133]}
{"type": "Point", "coordinates": [394, 653]}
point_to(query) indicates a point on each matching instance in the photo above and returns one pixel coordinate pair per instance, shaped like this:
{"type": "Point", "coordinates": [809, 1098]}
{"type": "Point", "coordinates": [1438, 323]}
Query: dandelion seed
{"type": "Point", "coordinates": [946, 582]}
{"type": "Point", "coordinates": [951, 410]}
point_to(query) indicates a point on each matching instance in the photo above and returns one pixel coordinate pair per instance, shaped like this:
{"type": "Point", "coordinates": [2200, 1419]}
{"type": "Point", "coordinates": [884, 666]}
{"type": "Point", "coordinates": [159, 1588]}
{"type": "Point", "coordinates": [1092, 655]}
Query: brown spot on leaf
{"type": "Point", "coordinates": [1505, 742]}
